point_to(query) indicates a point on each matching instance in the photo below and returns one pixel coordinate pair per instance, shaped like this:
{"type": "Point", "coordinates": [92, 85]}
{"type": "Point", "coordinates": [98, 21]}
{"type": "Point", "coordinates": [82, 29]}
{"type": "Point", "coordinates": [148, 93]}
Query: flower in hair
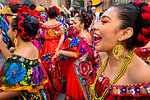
{"type": "Point", "coordinates": [146, 16]}
{"type": "Point", "coordinates": [54, 7]}
{"type": "Point", "coordinates": [145, 31]}
{"type": "Point", "coordinates": [57, 9]}
{"type": "Point", "coordinates": [147, 8]}
{"type": "Point", "coordinates": [141, 38]}
{"type": "Point", "coordinates": [146, 41]}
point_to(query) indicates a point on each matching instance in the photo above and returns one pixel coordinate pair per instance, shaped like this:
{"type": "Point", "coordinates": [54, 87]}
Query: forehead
{"type": "Point", "coordinates": [111, 13]}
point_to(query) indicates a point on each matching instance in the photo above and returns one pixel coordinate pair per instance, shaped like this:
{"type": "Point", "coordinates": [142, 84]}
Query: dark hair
{"type": "Point", "coordinates": [85, 18]}
{"type": "Point", "coordinates": [30, 25]}
{"type": "Point", "coordinates": [100, 14]}
{"type": "Point", "coordinates": [90, 1]}
{"type": "Point", "coordinates": [52, 13]}
{"type": "Point", "coordinates": [130, 16]}
{"type": "Point", "coordinates": [14, 9]}
{"type": "Point", "coordinates": [83, 11]}
{"type": "Point", "coordinates": [29, 3]}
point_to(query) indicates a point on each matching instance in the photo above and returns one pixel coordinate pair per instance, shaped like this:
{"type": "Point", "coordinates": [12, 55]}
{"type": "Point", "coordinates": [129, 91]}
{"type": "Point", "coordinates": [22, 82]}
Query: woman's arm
{"type": "Point", "coordinates": [6, 53]}
{"type": "Point", "coordinates": [67, 53]}
{"type": "Point", "coordinates": [60, 42]}
{"type": "Point", "coordinates": [5, 95]}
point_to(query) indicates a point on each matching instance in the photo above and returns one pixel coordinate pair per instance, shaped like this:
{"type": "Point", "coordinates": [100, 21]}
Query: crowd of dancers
{"type": "Point", "coordinates": [84, 55]}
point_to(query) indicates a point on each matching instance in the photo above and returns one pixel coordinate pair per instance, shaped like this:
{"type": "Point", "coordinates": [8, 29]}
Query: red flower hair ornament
{"type": "Point", "coordinates": [24, 11]}
{"type": "Point", "coordinates": [54, 7]}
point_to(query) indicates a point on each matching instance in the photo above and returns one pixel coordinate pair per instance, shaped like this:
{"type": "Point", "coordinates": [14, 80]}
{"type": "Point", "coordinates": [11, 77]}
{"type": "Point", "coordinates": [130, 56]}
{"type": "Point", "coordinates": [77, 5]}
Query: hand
{"type": "Point", "coordinates": [12, 49]}
{"type": "Point", "coordinates": [56, 50]}
{"type": "Point", "coordinates": [58, 53]}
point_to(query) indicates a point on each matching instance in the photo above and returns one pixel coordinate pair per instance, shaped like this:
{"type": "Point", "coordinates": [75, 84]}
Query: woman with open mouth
{"type": "Point", "coordinates": [122, 75]}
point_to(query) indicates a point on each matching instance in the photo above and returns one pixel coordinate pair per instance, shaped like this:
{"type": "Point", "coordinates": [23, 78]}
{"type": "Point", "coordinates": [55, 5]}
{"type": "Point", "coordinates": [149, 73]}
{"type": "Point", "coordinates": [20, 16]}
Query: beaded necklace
{"type": "Point", "coordinates": [119, 75]}
{"type": "Point", "coordinates": [23, 45]}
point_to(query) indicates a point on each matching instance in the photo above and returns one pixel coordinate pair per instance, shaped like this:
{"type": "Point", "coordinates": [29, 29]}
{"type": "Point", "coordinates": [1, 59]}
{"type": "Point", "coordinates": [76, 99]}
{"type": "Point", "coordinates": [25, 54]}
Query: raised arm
{"type": "Point", "coordinates": [98, 3]}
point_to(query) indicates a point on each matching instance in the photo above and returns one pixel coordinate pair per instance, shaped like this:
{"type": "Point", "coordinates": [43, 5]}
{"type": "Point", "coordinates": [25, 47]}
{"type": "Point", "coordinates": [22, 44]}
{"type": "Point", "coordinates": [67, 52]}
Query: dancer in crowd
{"type": "Point", "coordinates": [90, 6]}
{"type": "Point", "coordinates": [52, 32]}
{"type": "Point", "coordinates": [21, 75]}
{"type": "Point", "coordinates": [74, 49]}
{"type": "Point", "coordinates": [122, 75]}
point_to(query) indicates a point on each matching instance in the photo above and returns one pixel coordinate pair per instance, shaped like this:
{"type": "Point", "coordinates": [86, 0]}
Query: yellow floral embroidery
{"type": "Point", "coordinates": [148, 59]}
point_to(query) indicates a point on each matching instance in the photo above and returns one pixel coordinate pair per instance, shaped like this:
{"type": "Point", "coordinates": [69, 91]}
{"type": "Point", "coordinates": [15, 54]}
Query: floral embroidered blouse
{"type": "Point", "coordinates": [119, 92]}
{"type": "Point", "coordinates": [25, 75]}
{"type": "Point", "coordinates": [78, 44]}
{"type": "Point", "coordinates": [144, 53]}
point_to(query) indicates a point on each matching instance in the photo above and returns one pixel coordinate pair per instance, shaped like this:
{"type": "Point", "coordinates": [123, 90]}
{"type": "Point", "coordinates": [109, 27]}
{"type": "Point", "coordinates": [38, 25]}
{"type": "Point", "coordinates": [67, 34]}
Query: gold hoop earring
{"type": "Point", "coordinates": [15, 41]}
{"type": "Point", "coordinates": [118, 51]}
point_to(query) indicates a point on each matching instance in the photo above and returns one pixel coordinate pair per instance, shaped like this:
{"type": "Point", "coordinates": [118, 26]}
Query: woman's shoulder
{"type": "Point", "coordinates": [49, 25]}
{"type": "Point", "coordinates": [29, 52]}
{"type": "Point", "coordinates": [139, 71]}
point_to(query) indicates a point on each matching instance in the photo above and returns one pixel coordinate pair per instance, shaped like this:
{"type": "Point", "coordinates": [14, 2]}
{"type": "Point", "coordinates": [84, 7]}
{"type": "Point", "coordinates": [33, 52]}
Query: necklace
{"type": "Point", "coordinates": [23, 45]}
{"type": "Point", "coordinates": [119, 75]}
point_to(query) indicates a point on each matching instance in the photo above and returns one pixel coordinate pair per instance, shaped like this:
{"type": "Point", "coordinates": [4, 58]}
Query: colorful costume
{"type": "Point", "coordinates": [51, 36]}
{"type": "Point", "coordinates": [24, 75]}
{"type": "Point", "coordinates": [4, 23]}
{"type": "Point", "coordinates": [121, 92]}
{"type": "Point", "coordinates": [66, 69]}
{"type": "Point", "coordinates": [144, 53]}
{"type": "Point", "coordinates": [115, 92]}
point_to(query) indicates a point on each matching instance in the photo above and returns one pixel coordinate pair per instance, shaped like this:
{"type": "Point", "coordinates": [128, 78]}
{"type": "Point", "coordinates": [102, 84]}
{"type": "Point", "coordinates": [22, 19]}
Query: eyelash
{"type": "Point", "coordinates": [104, 21]}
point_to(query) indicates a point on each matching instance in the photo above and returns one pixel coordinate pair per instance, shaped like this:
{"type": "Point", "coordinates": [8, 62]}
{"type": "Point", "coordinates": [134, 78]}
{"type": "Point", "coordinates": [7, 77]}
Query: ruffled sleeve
{"type": "Point", "coordinates": [19, 73]}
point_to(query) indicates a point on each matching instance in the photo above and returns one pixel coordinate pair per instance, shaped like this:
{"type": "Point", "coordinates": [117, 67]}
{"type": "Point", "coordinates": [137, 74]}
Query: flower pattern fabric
{"type": "Point", "coordinates": [144, 53]}
{"type": "Point", "coordinates": [15, 73]}
{"type": "Point", "coordinates": [120, 92]}
{"type": "Point", "coordinates": [24, 75]}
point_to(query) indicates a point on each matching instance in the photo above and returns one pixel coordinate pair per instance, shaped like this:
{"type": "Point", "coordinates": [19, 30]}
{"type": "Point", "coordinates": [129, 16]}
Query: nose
{"type": "Point", "coordinates": [95, 27]}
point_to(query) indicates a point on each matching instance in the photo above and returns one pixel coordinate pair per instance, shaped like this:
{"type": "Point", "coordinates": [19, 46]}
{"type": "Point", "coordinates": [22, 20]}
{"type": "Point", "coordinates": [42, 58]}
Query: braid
{"type": "Point", "coordinates": [87, 19]}
{"type": "Point", "coordinates": [144, 11]}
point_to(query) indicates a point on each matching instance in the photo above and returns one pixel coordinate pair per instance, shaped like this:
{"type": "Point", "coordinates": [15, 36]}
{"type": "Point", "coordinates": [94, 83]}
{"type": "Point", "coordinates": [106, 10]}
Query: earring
{"type": "Point", "coordinates": [118, 51]}
{"type": "Point", "coordinates": [15, 41]}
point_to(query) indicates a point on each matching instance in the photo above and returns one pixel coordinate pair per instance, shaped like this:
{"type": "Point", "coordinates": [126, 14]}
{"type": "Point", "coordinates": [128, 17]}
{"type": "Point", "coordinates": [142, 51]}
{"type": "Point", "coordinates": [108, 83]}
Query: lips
{"type": "Point", "coordinates": [97, 38]}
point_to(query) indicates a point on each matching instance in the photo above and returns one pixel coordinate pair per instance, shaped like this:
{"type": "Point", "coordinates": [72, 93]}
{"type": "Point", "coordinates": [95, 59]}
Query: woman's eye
{"type": "Point", "coordinates": [104, 21]}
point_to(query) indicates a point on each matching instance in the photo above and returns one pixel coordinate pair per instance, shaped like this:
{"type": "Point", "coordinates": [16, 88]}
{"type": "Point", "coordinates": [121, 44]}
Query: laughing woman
{"type": "Point", "coordinates": [123, 75]}
{"type": "Point", "coordinates": [21, 77]}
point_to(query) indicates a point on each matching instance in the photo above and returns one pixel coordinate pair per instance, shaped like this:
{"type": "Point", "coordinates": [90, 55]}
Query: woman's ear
{"type": "Point", "coordinates": [126, 33]}
{"type": "Point", "coordinates": [15, 33]}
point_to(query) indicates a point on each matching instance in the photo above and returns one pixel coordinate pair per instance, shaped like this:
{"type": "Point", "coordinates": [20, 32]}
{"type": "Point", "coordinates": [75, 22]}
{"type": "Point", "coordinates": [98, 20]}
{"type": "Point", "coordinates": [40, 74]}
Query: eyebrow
{"type": "Point", "coordinates": [106, 16]}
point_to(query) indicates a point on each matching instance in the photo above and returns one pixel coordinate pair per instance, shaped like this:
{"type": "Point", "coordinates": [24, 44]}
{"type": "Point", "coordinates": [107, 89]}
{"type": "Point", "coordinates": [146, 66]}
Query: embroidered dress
{"type": "Point", "coordinates": [119, 92]}
{"type": "Point", "coordinates": [51, 36]}
{"type": "Point", "coordinates": [25, 75]}
{"type": "Point", "coordinates": [66, 69]}
{"type": "Point", "coordinates": [144, 53]}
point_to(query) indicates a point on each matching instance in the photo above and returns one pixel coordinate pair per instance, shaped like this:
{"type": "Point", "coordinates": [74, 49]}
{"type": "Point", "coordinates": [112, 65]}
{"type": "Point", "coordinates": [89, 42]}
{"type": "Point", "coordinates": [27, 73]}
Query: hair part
{"type": "Point", "coordinates": [130, 16]}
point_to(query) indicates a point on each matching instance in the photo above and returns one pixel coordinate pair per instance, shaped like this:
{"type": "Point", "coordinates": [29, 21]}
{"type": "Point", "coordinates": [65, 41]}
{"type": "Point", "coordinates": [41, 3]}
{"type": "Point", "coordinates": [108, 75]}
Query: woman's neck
{"type": "Point", "coordinates": [83, 31]}
{"type": "Point", "coordinates": [21, 42]}
{"type": "Point", "coordinates": [113, 62]}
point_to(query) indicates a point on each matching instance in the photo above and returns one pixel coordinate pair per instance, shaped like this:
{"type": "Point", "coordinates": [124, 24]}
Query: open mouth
{"type": "Point", "coordinates": [97, 38]}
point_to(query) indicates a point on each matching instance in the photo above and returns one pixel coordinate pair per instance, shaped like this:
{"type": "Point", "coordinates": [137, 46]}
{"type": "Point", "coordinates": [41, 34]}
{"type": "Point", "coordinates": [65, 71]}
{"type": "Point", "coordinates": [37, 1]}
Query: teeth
{"type": "Point", "coordinates": [96, 37]}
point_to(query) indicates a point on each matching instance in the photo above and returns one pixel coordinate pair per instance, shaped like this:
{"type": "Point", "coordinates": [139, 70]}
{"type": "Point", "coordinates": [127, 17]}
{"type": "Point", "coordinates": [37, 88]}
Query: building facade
{"type": "Point", "coordinates": [73, 3]}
